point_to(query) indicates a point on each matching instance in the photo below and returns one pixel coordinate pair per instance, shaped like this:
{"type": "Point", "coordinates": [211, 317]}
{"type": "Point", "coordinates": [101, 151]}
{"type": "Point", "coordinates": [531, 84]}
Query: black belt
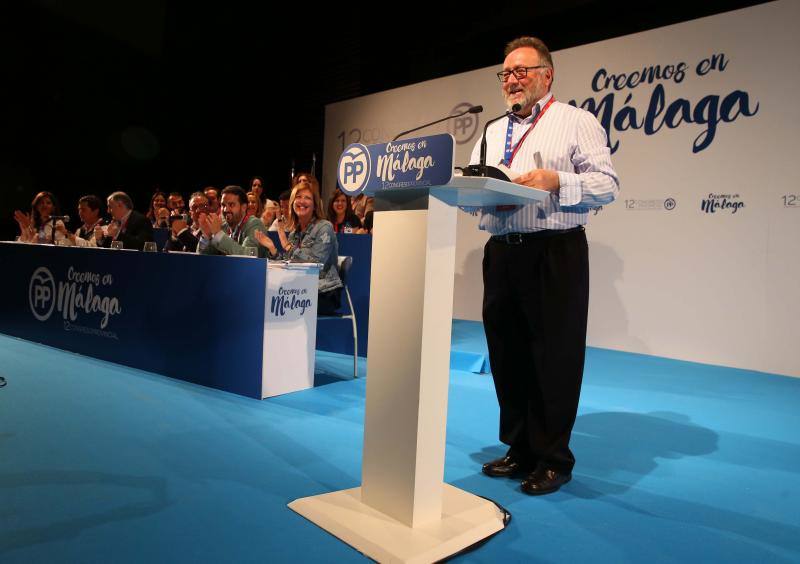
{"type": "Point", "coordinates": [520, 238]}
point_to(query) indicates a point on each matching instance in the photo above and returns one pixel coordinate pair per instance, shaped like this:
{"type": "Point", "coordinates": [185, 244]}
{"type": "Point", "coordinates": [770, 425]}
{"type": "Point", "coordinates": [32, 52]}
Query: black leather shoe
{"type": "Point", "coordinates": [508, 466]}
{"type": "Point", "coordinates": [543, 481]}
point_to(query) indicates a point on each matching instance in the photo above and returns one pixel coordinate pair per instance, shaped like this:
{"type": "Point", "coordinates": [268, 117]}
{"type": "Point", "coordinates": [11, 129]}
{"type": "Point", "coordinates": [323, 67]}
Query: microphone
{"type": "Point", "coordinates": [481, 169]}
{"type": "Point", "coordinates": [471, 110]}
{"type": "Point", "coordinates": [53, 219]}
{"type": "Point", "coordinates": [514, 108]}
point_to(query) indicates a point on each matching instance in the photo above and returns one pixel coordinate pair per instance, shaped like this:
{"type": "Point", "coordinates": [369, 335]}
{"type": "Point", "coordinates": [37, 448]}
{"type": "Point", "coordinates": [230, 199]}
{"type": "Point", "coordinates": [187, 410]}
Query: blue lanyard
{"type": "Point", "coordinates": [511, 151]}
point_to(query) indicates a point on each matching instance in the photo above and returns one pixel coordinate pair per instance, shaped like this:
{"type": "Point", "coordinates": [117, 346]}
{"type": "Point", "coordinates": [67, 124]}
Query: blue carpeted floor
{"type": "Point", "coordinates": [677, 462]}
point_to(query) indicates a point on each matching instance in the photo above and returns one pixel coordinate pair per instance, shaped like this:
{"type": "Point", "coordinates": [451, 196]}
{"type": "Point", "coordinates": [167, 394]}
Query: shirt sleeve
{"type": "Point", "coordinates": [203, 246]}
{"type": "Point", "coordinates": [223, 243]}
{"type": "Point", "coordinates": [594, 182]}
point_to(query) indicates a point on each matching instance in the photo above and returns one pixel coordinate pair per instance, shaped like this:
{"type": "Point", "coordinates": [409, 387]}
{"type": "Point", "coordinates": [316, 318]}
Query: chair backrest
{"type": "Point", "coordinates": [344, 264]}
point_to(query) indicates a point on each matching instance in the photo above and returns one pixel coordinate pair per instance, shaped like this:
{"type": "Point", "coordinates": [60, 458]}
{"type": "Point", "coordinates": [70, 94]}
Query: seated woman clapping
{"type": "Point", "coordinates": [37, 227]}
{"type": "Point", "coordinates": [310, 239]}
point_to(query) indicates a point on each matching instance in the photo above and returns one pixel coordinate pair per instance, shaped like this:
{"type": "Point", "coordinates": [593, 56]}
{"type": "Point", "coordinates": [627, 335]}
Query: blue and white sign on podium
{"type": "Point", "coordinates": [403, 512]}
{"type": "Point", "coordinates": [410, 163]}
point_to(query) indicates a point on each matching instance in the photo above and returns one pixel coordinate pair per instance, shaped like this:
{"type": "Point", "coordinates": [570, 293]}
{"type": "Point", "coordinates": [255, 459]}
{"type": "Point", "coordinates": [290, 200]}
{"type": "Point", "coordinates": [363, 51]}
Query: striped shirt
{"type": "Point", "coordinates": [571, 141]}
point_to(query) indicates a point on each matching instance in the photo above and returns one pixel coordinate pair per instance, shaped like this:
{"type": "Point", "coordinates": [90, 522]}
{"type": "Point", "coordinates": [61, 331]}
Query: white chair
{"type": "Point", "coordinates": [344, 265]}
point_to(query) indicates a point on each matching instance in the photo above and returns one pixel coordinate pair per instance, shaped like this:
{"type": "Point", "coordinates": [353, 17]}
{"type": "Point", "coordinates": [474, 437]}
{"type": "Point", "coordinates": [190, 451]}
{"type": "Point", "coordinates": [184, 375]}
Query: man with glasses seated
{"type": "Point", "coordinates": [128, 226]}
{"type": "Point", "coordinates": [198, 203]}
{"type": "Point", "coordinates": [536, 267]}
{"type": "Point", "coordinates": [231, 236]}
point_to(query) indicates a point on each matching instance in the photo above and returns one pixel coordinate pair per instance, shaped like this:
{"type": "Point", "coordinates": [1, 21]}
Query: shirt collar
{"type": "Point", "coordinates": [535, 112]}
{"type": "Point", "coordinates": [89, 228]}
{"type": "Point", "coordinates": [241, 223]}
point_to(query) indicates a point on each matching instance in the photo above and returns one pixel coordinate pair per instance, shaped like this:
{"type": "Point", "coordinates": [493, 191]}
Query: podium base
{"type": "Point", "coordinates": [466, 519]}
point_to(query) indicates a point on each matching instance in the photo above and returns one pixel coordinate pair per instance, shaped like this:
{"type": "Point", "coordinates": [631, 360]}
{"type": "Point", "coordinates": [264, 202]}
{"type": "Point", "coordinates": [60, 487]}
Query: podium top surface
{"type": "Point", "coordinates": [460, 191]}
{"type": "Point", "coordinates": [480, 191]}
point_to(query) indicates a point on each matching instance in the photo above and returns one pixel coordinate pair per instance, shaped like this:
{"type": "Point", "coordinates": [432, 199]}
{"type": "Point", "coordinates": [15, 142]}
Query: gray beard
{"type": "Point", "coordinates": [528, 99]}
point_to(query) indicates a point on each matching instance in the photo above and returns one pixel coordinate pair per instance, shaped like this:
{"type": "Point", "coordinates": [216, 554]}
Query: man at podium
{"type": "Point", "coordinates": [536, 267]}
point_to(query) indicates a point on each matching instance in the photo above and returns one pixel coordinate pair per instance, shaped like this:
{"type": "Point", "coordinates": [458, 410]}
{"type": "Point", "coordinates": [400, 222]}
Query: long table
{"type": "Point", "coordinates": [232, 323]}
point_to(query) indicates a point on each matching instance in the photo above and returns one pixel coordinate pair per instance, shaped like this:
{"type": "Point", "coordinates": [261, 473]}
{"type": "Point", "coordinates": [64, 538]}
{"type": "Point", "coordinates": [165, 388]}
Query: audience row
{"type": "Point", "coordinates": [230, 222]}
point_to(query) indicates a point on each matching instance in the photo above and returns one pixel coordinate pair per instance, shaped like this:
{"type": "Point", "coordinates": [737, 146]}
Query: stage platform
{"type": "Point", "coordinates": [677, 462]}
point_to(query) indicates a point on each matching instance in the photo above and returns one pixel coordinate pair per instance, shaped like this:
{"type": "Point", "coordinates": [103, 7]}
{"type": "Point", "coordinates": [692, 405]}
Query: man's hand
{"type": "Point", "coordinates": [61, 228]}
{"type": "Point", "coordinates": [113, 229]}
{"type": "Point", "coordinates": [204, 224]}
{"type": "Point", "coordinates": [540, 178]}
{"type": "Point", "coordinates": [214, 224]}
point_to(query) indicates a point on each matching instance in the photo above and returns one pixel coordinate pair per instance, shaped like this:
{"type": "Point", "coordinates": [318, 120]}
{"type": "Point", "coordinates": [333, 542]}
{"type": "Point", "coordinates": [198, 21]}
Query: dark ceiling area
{"type": "Point", "coordinates": [138, 94]}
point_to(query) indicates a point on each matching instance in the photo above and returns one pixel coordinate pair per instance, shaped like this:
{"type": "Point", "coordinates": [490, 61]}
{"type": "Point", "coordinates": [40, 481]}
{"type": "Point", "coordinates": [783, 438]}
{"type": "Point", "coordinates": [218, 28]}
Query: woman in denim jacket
{"type": "Point", "coordinates": [310, 239]}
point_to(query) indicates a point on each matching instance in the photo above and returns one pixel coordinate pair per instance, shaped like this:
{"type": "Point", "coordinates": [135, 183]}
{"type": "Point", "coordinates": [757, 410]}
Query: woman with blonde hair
{"type": "Point", "coordinates": [311, 239]}
{"type": "Point", "coordinates": [254, 205]}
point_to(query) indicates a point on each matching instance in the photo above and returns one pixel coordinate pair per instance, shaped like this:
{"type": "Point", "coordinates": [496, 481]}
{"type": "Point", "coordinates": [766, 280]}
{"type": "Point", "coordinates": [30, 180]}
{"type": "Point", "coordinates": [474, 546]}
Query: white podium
{"type": "Point", "coordinates": [403, 512]}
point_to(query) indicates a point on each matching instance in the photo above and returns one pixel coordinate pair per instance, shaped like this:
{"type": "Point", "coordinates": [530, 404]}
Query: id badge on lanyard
{"type": "Point", "coordinates": [236, 233]}
{"type": "Point", "coordinates": [510, 151]}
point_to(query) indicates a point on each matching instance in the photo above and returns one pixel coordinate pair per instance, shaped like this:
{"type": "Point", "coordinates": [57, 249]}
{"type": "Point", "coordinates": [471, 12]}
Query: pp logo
{"type": "Point", "coordinates": [42, 293]}
{"type": "Point", "coordinates": [465, 127]}
{"type": "Point", "coordinates": [669, 204]}
{"type": "Point", "coordinates": [354, 169]}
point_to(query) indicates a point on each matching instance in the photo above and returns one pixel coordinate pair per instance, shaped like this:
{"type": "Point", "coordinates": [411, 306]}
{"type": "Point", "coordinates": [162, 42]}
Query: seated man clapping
{"type": "Point", "coordinates": [231, 236]}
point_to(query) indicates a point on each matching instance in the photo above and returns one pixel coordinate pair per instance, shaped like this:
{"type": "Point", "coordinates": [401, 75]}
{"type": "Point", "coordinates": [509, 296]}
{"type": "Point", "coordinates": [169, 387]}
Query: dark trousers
{"type": "Point", "coordinates": [535, 304]}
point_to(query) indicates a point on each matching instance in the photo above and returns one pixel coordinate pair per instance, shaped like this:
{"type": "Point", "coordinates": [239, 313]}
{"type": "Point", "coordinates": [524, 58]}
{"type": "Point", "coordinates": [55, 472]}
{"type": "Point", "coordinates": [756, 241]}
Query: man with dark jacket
{"type": "Point", "coordinates": [181, 238]}
{"type": "Point", "coordinates": [130, 227]}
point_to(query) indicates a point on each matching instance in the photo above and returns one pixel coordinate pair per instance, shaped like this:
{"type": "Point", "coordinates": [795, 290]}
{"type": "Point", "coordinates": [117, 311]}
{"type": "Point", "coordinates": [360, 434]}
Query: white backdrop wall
{"type": "Point", "coordinates": [698, 259]}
